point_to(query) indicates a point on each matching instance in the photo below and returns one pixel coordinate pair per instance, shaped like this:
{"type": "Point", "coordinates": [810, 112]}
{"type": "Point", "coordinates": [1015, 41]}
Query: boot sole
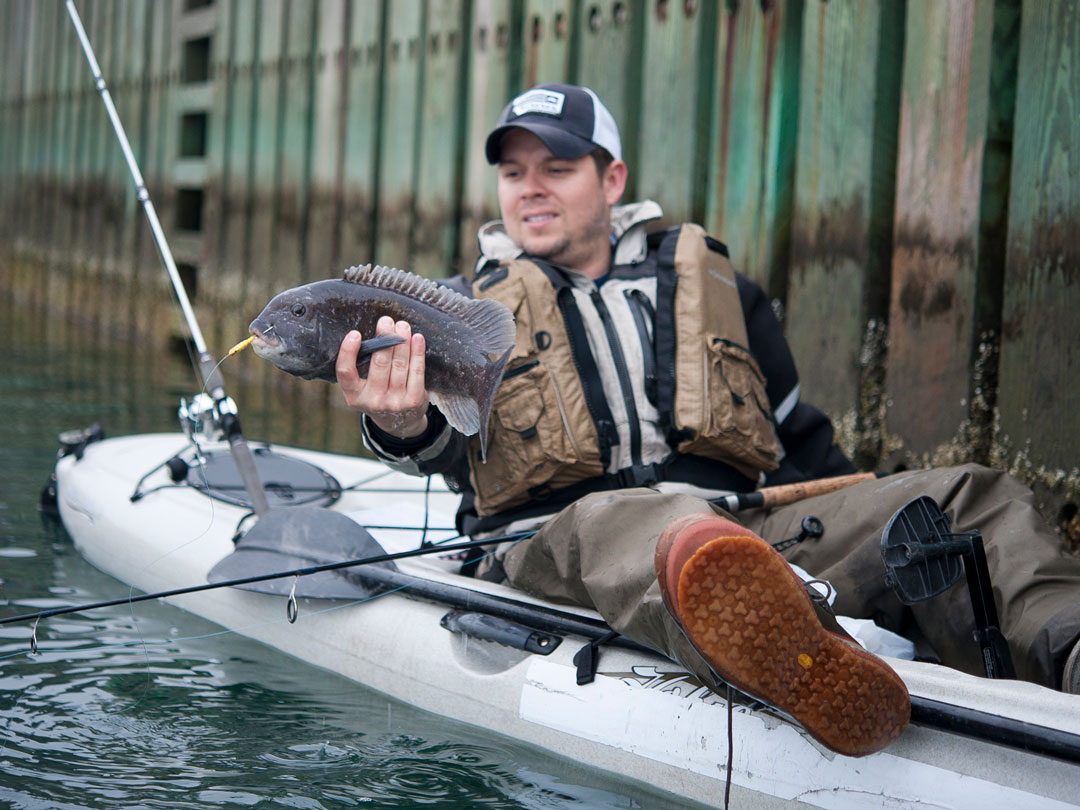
{"type": "Point", "coordinates": [750, 617]}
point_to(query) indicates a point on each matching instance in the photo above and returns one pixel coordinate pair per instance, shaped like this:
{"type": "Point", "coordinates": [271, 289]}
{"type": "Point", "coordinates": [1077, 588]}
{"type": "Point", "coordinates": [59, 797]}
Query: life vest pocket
{"type": "Point", "coordinates": [530, 448]}
{"type": "Point", "coordinates": [737, 427]}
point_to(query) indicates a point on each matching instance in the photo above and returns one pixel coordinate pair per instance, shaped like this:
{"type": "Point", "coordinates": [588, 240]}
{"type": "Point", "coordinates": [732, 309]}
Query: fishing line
{"type": "Point", "coordinates": [313, 569]}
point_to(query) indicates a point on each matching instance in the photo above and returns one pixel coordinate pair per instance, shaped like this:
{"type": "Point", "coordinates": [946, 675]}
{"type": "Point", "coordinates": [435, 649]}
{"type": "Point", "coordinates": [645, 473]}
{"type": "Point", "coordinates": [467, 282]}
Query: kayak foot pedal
{"type": "Point", "coordinates": [486, 627]}
{"type": "Point", "coordinates": [923, 558]}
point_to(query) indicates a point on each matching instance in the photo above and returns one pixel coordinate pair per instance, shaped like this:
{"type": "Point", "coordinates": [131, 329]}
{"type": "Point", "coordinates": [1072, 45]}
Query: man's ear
{"type": "Point", "coordinates": [615, 181]}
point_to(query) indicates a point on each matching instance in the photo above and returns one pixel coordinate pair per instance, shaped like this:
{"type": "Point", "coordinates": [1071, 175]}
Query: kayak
{"type": "Point", "coordinates": [160, 513]}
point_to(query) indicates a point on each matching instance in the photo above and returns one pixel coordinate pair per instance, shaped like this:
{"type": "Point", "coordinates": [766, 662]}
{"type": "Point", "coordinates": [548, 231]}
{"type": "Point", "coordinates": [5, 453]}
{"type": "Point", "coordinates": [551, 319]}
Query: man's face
{"type": "Point", "coordinates": [557, 209]}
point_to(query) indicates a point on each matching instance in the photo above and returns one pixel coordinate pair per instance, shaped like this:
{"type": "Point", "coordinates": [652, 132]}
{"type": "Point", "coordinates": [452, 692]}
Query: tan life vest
{"type": "Point", "coordinates": [546, 428]}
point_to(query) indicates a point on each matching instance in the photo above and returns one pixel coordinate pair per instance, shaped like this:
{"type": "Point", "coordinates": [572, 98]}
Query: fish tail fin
{"type": "Point", "coordinates": [492, 377]}
{"type": "Point", "coordinates": [469, 412]}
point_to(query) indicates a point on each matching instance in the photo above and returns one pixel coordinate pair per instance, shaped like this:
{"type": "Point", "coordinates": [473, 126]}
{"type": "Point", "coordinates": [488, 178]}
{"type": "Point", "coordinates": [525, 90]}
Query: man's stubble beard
{"type": "Point", "coordinates": [562, 253]}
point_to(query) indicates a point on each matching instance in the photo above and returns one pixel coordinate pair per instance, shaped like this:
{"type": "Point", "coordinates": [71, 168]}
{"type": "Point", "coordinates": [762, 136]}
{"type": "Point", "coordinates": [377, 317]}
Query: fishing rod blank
{"type": "Point", "coordinates": [207, 366]}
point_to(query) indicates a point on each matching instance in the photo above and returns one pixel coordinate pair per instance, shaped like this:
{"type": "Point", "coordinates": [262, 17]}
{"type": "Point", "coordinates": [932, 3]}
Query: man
{"type": "Point", "coordinates": [648, 377]}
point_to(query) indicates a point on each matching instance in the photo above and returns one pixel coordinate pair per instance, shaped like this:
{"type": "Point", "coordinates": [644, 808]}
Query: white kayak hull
{"type": "Point", "coordinates": [641, 718]}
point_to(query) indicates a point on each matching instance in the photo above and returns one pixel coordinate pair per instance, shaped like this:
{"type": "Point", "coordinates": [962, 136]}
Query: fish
{"type": "Point", "coordinates": [468, 340]}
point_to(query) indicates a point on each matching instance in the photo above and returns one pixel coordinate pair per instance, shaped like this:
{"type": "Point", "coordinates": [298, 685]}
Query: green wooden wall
{"type": "Point", "coordinates": [902, 176]}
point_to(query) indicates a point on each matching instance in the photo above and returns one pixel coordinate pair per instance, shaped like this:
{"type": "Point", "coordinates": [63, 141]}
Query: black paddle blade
{"type": "Point", "coordinates": [299, 537]}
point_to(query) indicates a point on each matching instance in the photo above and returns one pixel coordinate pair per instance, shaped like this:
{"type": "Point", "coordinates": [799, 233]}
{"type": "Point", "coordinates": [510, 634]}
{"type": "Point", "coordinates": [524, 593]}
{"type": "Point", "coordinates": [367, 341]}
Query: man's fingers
{"type": "Point", "coordinates": [416, 386]}
{"type": "Point", "coordinates": [378, 378]}
{"type": "Point", "coordinates": [346, 360]}
{"type": "Point", "coordinates": [399, 359]}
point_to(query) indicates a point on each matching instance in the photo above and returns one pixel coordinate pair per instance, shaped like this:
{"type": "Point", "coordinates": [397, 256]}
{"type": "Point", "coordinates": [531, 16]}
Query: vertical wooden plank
{"type": "Point", "coordinates": [398, 133]}
{"type": "Point", "coordinates": [680, 42]}
{"type": "Point", "coordinates": [142, 250]}
{"type": "Point", "coordinates": [10, 70]}
{"type": "Point", "coordinates": [610, 41]}
{"type": "Point", "coordinates": [360, 136]}
{"type": "Point", "coordinates": [844, 194]}
{"type": "Point", "coordinates": [66, 50]}
{"type": "Point", "coordinates": [71, 74]}
{"type": "Point", "coordinates": [134, 52]}
{"type": "Point", "coordinates": [219, 153]}
{"type": "Point", "coordinates": [28, 134]}
{"type": "Point", "coordinates": [296, 124]}
{"type": "Point", "coordinates": [42, 216]}
{"type": "Point", "coordinates": [236, 108]}
{"type": "Point", "coordinates": [546, 38]}
{"type": "Point", "coordinates": [327, 140]}
{"type": "Point", "coordinates": [114, 177]}
{"type": "Point", "coordinates": [99, 136]}
{"type": "Point", "coordinates": [944, 121]}
{"type": "Point", "coordinates": [490, 89]}
{"type": "Point", "coordinates": [1040, 354]}
{"type": "Point", "coordinates": [81, 88]}
{"type": "Point", "coordinates": [439, 157]}
{"type": "Point", "coordinates": [753, 137]}
{"type": "Point", "coordinates": [268, 20]}
{"type": "Point", "coordinates": [156, 114]}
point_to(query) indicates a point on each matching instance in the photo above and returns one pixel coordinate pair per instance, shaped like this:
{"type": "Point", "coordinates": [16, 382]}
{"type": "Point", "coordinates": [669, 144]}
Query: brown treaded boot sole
{"type": "Point", "coordinates": [749, 615]}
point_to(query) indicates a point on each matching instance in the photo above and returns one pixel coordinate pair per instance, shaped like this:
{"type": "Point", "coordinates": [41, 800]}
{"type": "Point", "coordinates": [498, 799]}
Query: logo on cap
{"type": "Point", "coordinates": [546, 102]}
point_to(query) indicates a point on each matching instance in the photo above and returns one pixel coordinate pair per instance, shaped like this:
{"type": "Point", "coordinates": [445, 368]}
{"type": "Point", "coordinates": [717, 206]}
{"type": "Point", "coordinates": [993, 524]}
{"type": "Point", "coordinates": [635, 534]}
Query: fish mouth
{"type": "Point", "coordinates": [264, 337]}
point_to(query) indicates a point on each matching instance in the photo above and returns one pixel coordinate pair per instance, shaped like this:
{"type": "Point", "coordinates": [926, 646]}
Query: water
{"type": "Point", "coordinates": [145, 706]}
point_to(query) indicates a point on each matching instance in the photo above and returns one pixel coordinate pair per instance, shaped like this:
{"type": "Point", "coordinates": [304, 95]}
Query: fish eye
{"type": "Point", "coordinates": [298, 310]}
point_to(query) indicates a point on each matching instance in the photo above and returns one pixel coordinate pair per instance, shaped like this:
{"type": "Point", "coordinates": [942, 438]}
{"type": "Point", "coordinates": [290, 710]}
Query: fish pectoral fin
{"type": "Point", "coordinates": [460, 411]}
{"type": "Point", "coordinates": [371, 345]}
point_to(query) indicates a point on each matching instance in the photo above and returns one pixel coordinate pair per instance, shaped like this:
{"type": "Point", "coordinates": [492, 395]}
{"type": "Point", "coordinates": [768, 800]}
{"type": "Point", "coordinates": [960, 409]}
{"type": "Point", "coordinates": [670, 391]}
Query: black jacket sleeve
{"type": "Point", "coordinates": [805, 433]}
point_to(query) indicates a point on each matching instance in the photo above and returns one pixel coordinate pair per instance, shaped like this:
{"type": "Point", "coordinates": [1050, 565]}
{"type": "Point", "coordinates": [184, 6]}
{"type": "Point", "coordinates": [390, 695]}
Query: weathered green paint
{"type": "Point", "coordinates": [1040, 353]}
{"type": "Point", "coordinates": [944, 114]}
{"type": "Point", "coordinates": [842, 230]}
{"type": "Point", "coordinates": [611, 38]}
{"type": "Point", "coordinates": [752, 143]}
{"type": "Point", "coordinates": [439, 156]}
{"type": "Point", "coordinates": [361, 133]}
{"type": "Point", "coordinates": [398, 133]}
{"type": "Point", "coordinates": [490, 86]}
{"type": "Point", "coordinates": [679, 50]}
{"type": "Point", "coordinates": [321, 254]}
{"type": "Point", "coordinates": [342, 132]}
{"type": "Point", "coordinates": [546, 36]}
{"type": "Point", "coordinates": [267, 25]}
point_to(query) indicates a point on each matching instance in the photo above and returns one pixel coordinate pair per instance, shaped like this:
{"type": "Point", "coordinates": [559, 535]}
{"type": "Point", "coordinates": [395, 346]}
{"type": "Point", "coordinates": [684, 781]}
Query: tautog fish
{"type": "Point", "coordinates": [468, 340]}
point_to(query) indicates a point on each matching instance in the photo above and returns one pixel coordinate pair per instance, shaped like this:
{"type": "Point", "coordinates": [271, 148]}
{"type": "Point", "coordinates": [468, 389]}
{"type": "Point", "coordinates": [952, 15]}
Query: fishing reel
{"type": "Point", "coordinates": [204, 419]}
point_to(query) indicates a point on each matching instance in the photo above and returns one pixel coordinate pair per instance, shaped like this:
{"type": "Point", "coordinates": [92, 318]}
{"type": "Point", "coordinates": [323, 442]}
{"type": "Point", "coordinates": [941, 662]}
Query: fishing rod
{"type": "Point", "coordinates": [213, 382]}
{"type": "Point", "coordinates": [295, 572]}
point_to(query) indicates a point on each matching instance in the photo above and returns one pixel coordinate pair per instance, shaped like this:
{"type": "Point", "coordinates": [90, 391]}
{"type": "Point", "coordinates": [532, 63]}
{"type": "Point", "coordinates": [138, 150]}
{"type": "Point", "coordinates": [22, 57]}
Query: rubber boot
{"type": "Point", "coordinates": [749, 615]}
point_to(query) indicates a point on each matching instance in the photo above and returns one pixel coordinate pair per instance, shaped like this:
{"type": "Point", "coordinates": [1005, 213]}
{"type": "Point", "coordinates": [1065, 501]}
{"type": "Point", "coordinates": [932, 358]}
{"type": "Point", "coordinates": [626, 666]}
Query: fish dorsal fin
{"type": "Point", "coordinates": [491, 321]}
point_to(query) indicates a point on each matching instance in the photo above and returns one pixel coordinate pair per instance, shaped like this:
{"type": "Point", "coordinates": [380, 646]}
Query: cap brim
{"type": "Point", "coordinates": [561, 143]}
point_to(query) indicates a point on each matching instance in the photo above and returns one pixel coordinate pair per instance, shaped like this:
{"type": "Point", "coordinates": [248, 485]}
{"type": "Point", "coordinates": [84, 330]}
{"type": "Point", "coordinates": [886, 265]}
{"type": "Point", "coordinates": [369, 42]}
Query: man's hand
{"type": "Point", "coordinates": [394, 395]}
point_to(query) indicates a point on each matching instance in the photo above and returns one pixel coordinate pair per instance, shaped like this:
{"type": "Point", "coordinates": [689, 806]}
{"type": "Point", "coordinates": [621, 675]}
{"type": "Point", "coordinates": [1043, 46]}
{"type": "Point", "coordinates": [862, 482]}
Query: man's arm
{"type": "Point", "coordinates": [805, 432]}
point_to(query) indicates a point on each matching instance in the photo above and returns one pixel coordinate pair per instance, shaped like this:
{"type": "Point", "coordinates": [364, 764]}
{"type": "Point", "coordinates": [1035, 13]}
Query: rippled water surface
{"type": "Point", "coordinates": [145, 706]}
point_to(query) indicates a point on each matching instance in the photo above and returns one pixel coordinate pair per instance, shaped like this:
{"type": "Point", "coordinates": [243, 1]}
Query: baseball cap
{"type": "Point", "coordinates": [570, 120]}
